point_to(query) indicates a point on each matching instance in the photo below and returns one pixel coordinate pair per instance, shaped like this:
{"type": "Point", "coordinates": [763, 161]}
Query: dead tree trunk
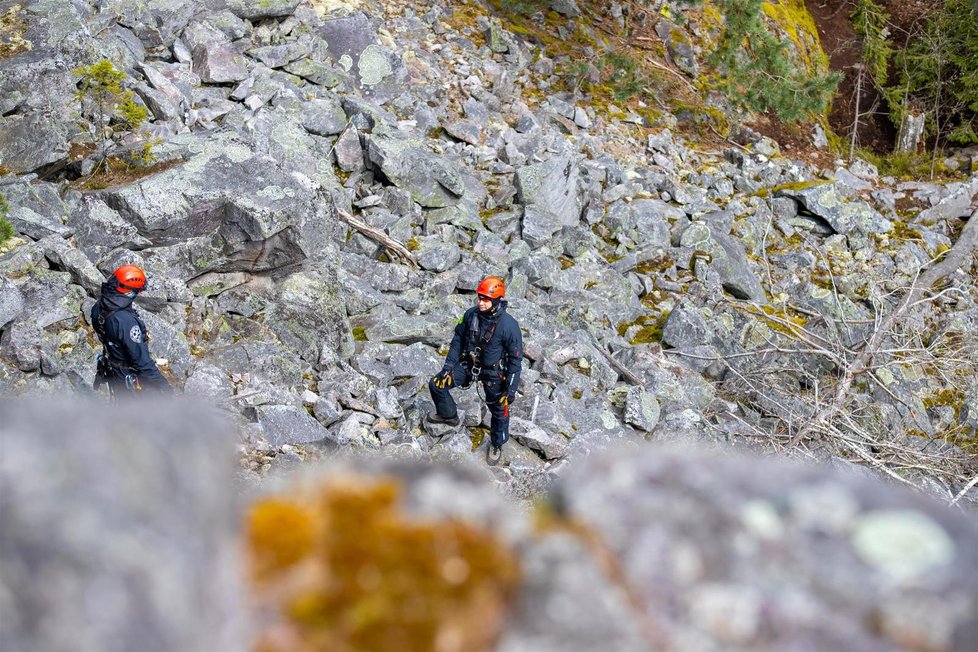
{"type": "Point", "coordinates": [911, 132]}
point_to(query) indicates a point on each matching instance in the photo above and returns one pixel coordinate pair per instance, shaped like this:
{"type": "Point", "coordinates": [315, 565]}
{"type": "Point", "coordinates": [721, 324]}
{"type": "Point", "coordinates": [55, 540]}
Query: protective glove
{"type": "Point", "coordinates": [507, 399]}
{"type": "Point", "coordinates": [443, 379]}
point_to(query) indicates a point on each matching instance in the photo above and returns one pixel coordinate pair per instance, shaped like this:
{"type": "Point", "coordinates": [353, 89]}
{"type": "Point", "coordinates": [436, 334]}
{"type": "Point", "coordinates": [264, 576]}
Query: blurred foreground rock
{"type": "Point", "coordinates": [739, 553]}
{"type": "Point", "coordinates": [119, 528]}
{"type": "Point", "coordinates": [120, 534]}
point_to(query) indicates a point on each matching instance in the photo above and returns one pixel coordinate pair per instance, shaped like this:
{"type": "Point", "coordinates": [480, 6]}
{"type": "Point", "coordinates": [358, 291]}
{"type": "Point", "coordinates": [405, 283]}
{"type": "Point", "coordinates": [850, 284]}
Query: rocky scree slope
{"type": "Point", "coordinates": [667, 293]}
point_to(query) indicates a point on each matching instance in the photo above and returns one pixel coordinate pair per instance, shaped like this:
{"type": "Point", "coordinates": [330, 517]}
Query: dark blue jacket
{"type": "Point", "coordinates": [126, 339]}
{"type": "Point", "coordinates": [505, 346]}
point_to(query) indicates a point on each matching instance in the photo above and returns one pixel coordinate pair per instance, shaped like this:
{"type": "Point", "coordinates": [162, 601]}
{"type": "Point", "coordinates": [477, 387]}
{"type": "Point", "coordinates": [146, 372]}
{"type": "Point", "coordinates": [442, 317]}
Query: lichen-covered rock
{"type": "Point", "coordinates": [11, 301]}
{"type": "Point", "coordinates": [219, 63]}
{"type": "Point", "coordinates": [958, 203]}
{"type": "Point", "coordinates": [528, 434]}
{"type": "Point", "coordinates": [323, 117]}
{"type": "Point", "coordinates": [309, 316]}
{"type": "Point", "coordinates": [288, 424]}
{"type": "Point", "coordinates": [227, 208]}
{"type": "Point", "coordinates": [775, 555]}
{"type": "Point", "coordinates": [352, 43]}
{"type": "Point", "coordinates": [28, 142]}
{"type": "Point", "coordinates": [728, 259]}
{"type": "Point", "coordinates": [37, 210]}
{"type": "Point", "coordinates": [407, 162]}
{"type": "Point", "coordinates": [21, 344]}
{"type": "Point", "coordinates": [552, 186]}
{"type": "Point", "coordinates": [436, 255]}
{"type": "Point", "coordinates": [73, 261]}
{"type": "Point", "coordinates": [138, 511]}
{"type": "Point", "coordinates": [844, 216]}
{"type": "Point", "coordinates": [641, 409]}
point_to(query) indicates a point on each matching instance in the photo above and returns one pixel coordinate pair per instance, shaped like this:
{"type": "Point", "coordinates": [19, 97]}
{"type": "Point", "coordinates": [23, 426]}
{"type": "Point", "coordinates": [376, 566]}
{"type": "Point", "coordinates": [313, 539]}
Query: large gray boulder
{"type": "Point", "coordinates": [37, 210]}
{"type": "Point", "coordinates": [254, 11]}
{"type": "Point", "coordinates": [215, 58]}
{"type": "Point", "coordinates": [37, 87]}
{"type": "Point", "coordinates": [227, 208]}
{"type": "Point", "coordinates": [774, 556]}
{"type": "Point", "coordinates": [157, 23]}
{"type": "Point", "coordinates": [98, 229]}
{"type": "Point", "coordinates": [288, 424]}
{"type": "Point", "coordinates": [352, 42]}
{"type": "Point", "coordinates": [118, 534]}
{"type": "Point", "coordinates": [826, 201]}
{"type": "Point", "coordinates": [406, 161]}
{"type": "Point", "coordinates": [552, 186]}
{"type": "Point", "coordinates": [309, 315]}
{"type": "Point", "coordinates": [28, 142]}
{"type": "Point", "coordinates": [727, 257]}
{"type": "Point", "coordinates": [11, 301]}
{"type": "Point", "coordinates": [958, 203]}
{"type": "Point", "coordinates": [323, 117]}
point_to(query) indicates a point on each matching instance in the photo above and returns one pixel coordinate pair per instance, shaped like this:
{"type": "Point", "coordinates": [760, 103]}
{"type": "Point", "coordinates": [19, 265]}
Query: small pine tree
{"type": "Point", "coordinates": [6, 228]}
{"type": "Point", "coordinates": [102, 97]}
{"type": "Point", "coordinates": [757, 69]}
{"type": "Point", "coordinates": [871, 22]}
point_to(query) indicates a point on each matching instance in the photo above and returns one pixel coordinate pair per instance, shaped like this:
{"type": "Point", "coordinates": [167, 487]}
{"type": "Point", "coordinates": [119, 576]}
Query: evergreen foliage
{"type": "Point", "coordinates": [6, 228]}
{"type": "Point", "coordinates": [939, 71]}
{"type": "Point", "coordinates": [758, 71]}
{"type": "Point", "coordinates": [103, 99]}
{"type": "Point", "coordinates": [625, 76]}
{"type": "Point", "coordinates": [871, 22]}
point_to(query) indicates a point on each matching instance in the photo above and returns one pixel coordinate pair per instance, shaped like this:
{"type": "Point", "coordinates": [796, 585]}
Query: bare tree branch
{"type": "Point", "coordinates": [956, 257]}
{"type": "Point", "coordinates": [379, 236]}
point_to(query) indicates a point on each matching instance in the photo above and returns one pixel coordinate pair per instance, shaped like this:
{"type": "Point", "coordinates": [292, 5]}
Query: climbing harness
{"type": "Point", "coordinates": [107, 372]}
{"type": "Point", "coordinates": [472, 351]}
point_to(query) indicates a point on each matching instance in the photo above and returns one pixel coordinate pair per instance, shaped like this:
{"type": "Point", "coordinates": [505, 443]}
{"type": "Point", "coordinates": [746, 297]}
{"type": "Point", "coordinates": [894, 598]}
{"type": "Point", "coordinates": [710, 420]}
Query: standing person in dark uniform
{"type": "Point", "coordinates": [124, 364]}
{"type": "Point", "coordinates": [488, 347]}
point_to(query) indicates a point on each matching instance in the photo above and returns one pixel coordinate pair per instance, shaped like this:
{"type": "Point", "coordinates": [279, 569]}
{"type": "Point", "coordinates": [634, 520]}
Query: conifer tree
{"type": "Point", "coordinates": [758, 71]}
{"type": "Point", "coordinates": [102, 99]}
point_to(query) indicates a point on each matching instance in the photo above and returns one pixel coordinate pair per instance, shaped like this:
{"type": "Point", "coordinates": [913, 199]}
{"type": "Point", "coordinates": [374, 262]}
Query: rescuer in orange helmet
{"type": "Point", "coordinates": [125, 364]}
{"type": "Point", "coordinates": [487, 347]}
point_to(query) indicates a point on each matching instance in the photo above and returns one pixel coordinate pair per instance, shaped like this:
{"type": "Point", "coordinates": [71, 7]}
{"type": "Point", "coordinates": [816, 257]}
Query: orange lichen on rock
{"type": "Point", "coordinates": [341, 568]}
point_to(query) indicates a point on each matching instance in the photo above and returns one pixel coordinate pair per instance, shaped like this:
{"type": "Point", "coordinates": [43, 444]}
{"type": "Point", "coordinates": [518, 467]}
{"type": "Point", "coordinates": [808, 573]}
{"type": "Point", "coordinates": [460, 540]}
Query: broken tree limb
{"type": "Point", "coordinates": [617, 366]}
{"type": "Point", "coordinates": [956, 257]}
{"type": "Point", "coordinates": [380, 237]}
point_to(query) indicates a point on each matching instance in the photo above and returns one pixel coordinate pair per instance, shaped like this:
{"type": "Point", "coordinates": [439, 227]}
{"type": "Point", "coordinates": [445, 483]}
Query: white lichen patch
{"type": "Point", "coordinates": [346, 62]}
{"type": "Point", "coordinates": [903, 544]}
{"type": "Point", "coordinates": [276, 193]}
{"type": "Point", "coordinates": [330, 7]}
{"type": "Point", "coordinates": [238, 153]}
{"type": "Point", "coordinates": [373, 65]}
{"type": "Point", "coordinates": [762, 520]}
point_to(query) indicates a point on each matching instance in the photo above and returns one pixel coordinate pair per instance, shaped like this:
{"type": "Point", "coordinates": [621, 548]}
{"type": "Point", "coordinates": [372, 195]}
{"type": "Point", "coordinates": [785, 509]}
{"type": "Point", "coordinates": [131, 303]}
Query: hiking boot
{"type": "Point", "coordinates": [434, 417]}
{"type": "Point", "coordinates": [494, 454]}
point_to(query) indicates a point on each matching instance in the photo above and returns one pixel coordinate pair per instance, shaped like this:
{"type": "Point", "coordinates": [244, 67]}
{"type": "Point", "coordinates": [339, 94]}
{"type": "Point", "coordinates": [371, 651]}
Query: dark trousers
{"type": "Point", "coordinates": [492, 385]}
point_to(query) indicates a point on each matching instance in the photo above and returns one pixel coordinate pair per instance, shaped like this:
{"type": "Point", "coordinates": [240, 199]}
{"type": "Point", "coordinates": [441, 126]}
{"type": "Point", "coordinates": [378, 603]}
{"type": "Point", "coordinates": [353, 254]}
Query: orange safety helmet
{"type": "Point", "coordinates": [130, 279]}
{"type": "Point", "coordinates": [492, 287]}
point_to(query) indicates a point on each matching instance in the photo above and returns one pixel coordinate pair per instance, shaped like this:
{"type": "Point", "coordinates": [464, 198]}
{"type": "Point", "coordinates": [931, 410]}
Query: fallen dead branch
{"type": "Point", "coordinates": [380, 237]}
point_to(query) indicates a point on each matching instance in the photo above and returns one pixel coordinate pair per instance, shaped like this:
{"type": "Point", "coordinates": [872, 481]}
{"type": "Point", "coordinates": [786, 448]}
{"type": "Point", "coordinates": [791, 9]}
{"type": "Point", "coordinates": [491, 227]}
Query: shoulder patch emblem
{"type": "Point", "coordinates": [135, 334]}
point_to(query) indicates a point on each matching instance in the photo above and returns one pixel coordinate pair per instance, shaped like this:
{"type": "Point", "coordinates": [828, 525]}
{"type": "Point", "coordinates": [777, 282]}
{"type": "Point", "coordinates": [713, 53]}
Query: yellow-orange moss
{"type": "Point", "coordinates": [343, 569]}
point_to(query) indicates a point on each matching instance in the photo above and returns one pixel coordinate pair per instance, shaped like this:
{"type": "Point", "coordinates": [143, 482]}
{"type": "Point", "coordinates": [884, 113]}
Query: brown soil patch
{"type": "Point", "coordinates": [119, 173]}
{"type": "Point", "coordinates": [843, 47]}
{"type": "Point", "coordinates": [795, 140]}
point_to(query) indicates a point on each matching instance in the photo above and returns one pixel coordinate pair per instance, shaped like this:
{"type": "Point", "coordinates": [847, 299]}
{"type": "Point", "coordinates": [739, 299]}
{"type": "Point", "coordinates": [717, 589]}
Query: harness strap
{"type": "Point", "coordinates": [99, 327]}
